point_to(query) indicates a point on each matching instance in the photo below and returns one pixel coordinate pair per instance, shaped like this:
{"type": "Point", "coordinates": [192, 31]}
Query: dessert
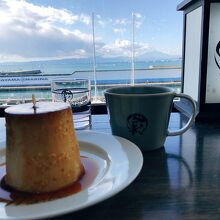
{"type": "Point", "coordinates": [42, 152]}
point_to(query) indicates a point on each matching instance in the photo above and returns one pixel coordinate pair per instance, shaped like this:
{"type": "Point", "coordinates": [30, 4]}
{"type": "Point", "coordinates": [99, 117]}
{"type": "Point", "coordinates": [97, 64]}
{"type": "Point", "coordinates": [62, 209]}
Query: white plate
{"type": "Point", "coordinates": [119, 162]}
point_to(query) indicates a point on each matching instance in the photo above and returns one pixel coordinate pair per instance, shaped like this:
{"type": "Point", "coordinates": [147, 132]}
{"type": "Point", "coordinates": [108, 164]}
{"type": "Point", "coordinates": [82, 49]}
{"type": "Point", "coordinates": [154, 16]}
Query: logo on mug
{"type": "Point", "coordinates": [137, 123]}
{"type": "Point", "coordinates": [67, 95]}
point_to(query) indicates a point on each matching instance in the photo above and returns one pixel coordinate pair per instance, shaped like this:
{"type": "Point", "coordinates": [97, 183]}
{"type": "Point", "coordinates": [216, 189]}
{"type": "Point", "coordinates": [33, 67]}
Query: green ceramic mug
{"type": "Point", "coordinates": [141, 114]}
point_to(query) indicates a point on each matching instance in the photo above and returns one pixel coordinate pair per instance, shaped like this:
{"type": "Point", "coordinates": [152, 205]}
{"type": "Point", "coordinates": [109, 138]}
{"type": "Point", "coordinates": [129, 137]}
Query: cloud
{"type": "Point", "coordinates": [118, 48]}
{"type": "Point", "coordinates": [119, 30]}
{"type": "Point", "coordinates": [138, 15]}
{"type": "Point", "coordinates": [122, 21]}
{"type": "Point", "coordinates": [21, 10]}
{"type": "Point", "coordinates": [138, 19]}
{"type": "Point", "coordinates": [32, 31]}
{"type": "Point", "coordinates": [123, 48]}
{"type": "Point", "coordinates": [125, 23]}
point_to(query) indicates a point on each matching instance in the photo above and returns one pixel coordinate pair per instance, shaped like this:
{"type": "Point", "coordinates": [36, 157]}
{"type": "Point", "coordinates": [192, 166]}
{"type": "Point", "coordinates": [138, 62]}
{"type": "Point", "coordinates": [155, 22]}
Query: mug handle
{"type": "Point", "coordinates": [191, 119]}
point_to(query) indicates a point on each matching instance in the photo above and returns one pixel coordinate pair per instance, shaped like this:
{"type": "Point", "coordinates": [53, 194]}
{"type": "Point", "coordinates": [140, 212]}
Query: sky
{"type": "Point", "coordinates": [57, 29]}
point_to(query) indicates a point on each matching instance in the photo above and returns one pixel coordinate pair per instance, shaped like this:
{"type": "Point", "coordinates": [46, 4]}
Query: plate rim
{"type": "Point", "coordinates": [101, 198]}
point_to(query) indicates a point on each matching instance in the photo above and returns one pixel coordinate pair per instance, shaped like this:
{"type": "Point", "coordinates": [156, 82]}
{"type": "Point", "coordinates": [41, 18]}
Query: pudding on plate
{"type": "Point", "coordinates": [42, 151]}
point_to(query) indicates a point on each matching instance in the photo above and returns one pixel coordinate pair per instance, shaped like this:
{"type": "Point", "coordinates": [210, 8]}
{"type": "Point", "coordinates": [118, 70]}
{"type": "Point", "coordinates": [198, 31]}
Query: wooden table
{"type": "Point", "coordinates": [179, 181]}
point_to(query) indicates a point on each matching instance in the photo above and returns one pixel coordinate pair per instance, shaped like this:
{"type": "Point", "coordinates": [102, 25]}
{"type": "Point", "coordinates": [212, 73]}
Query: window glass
{"type": "Point", "coordinates": [110, 42]}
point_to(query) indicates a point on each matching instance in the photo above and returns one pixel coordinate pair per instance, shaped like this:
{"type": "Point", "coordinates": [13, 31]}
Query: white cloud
{"type": "Point", "coordinates": [85, 19]}
{"type": "Point", "coordinates": [102, 22]}
{"type": "Point", "coordinates": [176, 51]}
{"type": "Point", "coordinates": [138, 19]}
{"type": "Point", "coordinates": [123, 48]}
{"type": "Point", "coordinates": [22, 10]}
{"type": "Point", "coordinates": [32, 31]}
{"type": "Point", "coordinates": [119, 30]}
{"type": "Point", "coordinates": [138, 15]}
{"type": "Point", "coordinates": [118, 48]}
{"type": "Point", "coordinates": [122, 21]}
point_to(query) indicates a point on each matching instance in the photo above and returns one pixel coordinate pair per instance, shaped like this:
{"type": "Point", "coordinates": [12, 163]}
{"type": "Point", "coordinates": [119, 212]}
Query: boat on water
{"type": "Point", "coordinates": [20, 73]}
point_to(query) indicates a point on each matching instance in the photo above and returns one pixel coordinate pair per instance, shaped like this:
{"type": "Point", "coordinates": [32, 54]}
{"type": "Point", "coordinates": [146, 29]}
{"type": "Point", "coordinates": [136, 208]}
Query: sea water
{"type": "Point", "coordinates": [107, 73]}
{"type": "Point", "coordinates": [69, 66]}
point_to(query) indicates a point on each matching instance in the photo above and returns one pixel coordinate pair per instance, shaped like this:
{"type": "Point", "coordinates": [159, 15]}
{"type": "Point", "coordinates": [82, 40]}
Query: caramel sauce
{"type": "Point", "coordinates": [9, 195]}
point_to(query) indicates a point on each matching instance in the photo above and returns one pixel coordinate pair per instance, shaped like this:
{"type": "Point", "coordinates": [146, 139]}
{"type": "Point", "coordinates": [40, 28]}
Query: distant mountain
{"type": "Point", "coordinates": [148, 56]}
{"type": "Point", "coordinates": [156, 55]}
